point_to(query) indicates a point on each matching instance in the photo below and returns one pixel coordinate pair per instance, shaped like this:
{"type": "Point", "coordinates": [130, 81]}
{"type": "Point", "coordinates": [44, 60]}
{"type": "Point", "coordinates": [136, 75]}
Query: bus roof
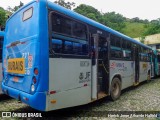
{"type": "Point", "coordinates": [91, 22]}
{"type": "Point", "coordinates": [1, 33]}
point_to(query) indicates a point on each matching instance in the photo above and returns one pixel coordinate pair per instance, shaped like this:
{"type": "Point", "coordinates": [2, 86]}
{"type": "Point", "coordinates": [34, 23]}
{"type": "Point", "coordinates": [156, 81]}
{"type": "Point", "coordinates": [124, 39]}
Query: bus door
{"type": "Point", "coordinates": [153, 64]}
{"type": "Point", "coordinates": [100, 66]}
{"type": "Point", "coordinates": [136, 60]}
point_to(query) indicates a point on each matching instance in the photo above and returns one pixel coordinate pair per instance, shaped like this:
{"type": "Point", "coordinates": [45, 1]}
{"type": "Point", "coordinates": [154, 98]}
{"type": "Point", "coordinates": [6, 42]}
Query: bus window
{"type": "Point", "coordinates": [66, 26]}
{"type": "Point", "coordinates": [71, 33]}
{"type": "Point", "coordinates": [127, 49]}
{"type": "Point", "coordinates": [28, 14]}
{"type": "Point", "coordinates": [79, 30]}
{"type": "Point", "coordinates": [57, 45]}
{"type": "Point", "coordinates": [113, 42]}
{"type": "Point", "coordinates": [68, 47]}
{"type": "Point", "coordinates": [116, 54]}
{"type": "Point", "coordinates": [60, 24]}
{"type": "Point", "coordinates": [116, 51]}
{"type": "Point", "coordinates": [123, 44]}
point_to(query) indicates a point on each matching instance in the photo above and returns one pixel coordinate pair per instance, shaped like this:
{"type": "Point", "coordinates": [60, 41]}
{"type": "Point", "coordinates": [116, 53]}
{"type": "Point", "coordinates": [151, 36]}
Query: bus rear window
{"type": "Point", "coordinates": [28, 14]}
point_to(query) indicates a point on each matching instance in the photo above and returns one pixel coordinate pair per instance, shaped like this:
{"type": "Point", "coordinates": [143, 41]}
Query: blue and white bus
{"type": "Point", "coordinates": [1, 47]}
{"type": "Point", "coordinates": [54, 58]}
{"type": "Point", "coordinates": [155, 63]}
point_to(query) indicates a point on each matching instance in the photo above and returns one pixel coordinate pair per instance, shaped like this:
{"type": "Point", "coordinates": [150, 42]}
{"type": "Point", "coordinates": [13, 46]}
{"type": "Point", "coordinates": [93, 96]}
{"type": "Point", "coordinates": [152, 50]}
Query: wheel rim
{"type": "Point", "coordinates": [115, 89]}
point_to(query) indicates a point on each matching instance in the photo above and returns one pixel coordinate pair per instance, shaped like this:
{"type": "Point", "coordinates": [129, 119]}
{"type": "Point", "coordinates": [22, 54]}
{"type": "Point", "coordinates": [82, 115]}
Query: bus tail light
{"type": "Point", "coordinates": [32, 88]}
{"type": "Point", "coordinates": [52, 92]}
{"type": "Point", "coordinates": [25, 98]}
{"type": "Point", "coordinates": [36, 71]}
{"type": "Point", "coordinates": [34, 80]}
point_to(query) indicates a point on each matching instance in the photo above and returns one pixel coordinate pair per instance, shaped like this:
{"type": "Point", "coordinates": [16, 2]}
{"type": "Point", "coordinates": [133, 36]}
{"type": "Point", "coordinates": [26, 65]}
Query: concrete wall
{"type": "Point", "coordinates": [151, 39]}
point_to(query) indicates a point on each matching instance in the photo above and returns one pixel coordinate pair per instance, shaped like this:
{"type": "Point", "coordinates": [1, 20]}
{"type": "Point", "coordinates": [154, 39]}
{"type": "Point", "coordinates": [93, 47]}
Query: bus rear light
{"type": "Point", "coordinates": [52, 92]}
{"type": "Point", "coordinates": [32, 88]}
{"type": "Point", "coordinates": [85, 85]}
{"type": "Point", "coordinates": [34, 80]}
{"type": "Point", "coordinates": [26, 99]}
{"type": "Point", "coordinates": [36, 71]}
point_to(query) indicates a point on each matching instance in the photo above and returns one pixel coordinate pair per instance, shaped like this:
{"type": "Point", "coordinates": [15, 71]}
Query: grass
{"type": "Point", "coordinates": [134, 29]}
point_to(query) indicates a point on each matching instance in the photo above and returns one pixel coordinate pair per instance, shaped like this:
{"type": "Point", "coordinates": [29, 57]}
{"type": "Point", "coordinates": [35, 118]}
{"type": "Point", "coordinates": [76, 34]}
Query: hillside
{"type": "Point", "coordinates": [133, 29]}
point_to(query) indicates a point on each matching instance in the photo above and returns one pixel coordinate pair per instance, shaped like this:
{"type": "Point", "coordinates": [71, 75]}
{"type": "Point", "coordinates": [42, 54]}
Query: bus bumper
{"type": "Point", "coordinates": [36, 101]}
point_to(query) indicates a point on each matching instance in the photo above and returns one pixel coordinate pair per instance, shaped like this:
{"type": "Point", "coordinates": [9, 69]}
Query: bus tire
{"type": "Point", "coordinates": [148, 76]}
{"type": "Point", "coordinates": [115, 89]}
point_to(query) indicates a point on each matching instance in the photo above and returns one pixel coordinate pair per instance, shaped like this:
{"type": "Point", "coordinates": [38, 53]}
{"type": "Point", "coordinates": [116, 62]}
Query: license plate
{"type": "Point", "coordinates": [16, 65]}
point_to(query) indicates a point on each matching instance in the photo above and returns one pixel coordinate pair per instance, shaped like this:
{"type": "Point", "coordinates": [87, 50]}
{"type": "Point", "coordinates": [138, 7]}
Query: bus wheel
{"type": "Point", "coordinates": [148, 76]}
{"type": "Point", "coordinates": [115, 89]}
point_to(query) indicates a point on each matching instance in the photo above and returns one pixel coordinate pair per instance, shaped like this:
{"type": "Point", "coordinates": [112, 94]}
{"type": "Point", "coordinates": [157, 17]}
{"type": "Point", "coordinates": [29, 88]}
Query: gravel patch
{"type": "Point", "coordinates": [144, 97]}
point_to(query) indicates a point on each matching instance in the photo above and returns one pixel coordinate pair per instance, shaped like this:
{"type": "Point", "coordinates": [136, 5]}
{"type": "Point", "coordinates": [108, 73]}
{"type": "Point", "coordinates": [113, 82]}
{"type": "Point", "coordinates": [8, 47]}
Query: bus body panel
{"type": "Point", "coordinates": [24, 50]}
{"type": "Point", "coordinates": [71, 81]}
{"type": "Point", "coordinates": [156, 63]}
{"type": "Point", "coordinates": [70, 98]}
{"type": "Point", "coordinates": [1, 77]}
{"type": "Point", "coordinates": [23, 40]}
{"type": "Point", "coordinates": [1, 46]}
{"type": "Point", "coordinates": [145, 67]}
{"type": "Point", "coordinates": [125, 69]}
{"type": "Point", "coordinates": [36, 101]}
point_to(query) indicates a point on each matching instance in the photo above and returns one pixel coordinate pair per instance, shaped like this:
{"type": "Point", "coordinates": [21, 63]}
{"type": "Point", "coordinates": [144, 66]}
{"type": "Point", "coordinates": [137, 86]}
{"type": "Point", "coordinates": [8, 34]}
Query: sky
{"type": "Point", "coordinates": [144, 9]}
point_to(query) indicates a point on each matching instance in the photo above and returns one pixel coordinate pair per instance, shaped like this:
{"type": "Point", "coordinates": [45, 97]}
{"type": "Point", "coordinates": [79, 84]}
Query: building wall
{"type": "Point", "coordinates": [152, 40]}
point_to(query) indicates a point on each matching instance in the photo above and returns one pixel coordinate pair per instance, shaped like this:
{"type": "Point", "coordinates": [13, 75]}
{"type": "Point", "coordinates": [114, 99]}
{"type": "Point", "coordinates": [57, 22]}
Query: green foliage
{"type": "Point", "coordinates": [134, 29]}
{"type": "Point", "coordinates": [89, 12]}
{"type": "Point", "coordinates": [113, 20]}
{"type": "Point", "coordinates": [67, 5]}
{"type": "Point", "coordinates": [153, 27]}
{"type": "Point", "coordinates": [2, 17]}
{"type": "Point", "coordinates": [142, 39]}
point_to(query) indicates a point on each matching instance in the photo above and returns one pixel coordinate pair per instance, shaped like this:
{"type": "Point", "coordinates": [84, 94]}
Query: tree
{"type": "Point", "coordinates": [2, 17]}
{"type": "Point", "coordinates": [153, 28]}
{"type": "Point", "coordinates": [67, 5]}
{"type": "Point", "coordinates": [89, 12]}
{"type": "Point", "coordinates": [142, 39]}
{"type": "Point", "coordinates": [115, 21]}
{"type": "Point", "coordinates": [111, 19]}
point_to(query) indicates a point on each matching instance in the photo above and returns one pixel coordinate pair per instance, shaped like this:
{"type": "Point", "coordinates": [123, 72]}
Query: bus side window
{"type": "Point", "coordinates": [79, 30]}
{"type": "Point", "coordinates": [116, 51]}
{"type": "Point", "coordinates": [68, 47]}
{"type": "Point", "coordinates": [127, 49]}
{"type": "Point", "coordinates": [71, 33]}
{"type": "Point", "coordinates": [61, 24]}
{"type": "Point", "coordinates": [57, 45]}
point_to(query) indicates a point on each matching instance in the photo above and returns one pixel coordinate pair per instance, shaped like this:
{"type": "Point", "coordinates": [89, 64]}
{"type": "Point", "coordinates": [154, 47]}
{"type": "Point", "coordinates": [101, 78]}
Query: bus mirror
{"type": "Point", "coordinates": [124, 53]}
